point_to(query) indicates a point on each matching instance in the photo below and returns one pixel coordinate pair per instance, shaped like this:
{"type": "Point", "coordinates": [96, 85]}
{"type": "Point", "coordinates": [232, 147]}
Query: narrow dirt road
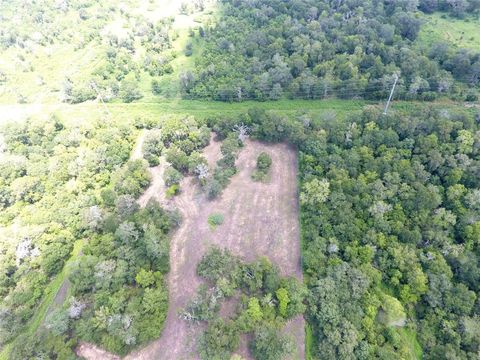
{"type": "Point", "coordinates": [260, 220]}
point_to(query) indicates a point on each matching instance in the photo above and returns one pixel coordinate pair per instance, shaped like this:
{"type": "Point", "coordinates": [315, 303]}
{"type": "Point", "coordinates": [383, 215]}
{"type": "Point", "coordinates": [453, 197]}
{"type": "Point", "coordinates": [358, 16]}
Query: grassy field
{"type": "Point", "coordinates": [158, 108]}
{"type": "Point", "coordinates": [461, 33]}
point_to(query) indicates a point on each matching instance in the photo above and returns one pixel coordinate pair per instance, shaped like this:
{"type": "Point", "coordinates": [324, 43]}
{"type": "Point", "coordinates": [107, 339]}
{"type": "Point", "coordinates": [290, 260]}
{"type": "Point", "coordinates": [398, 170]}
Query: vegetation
{"type": "Point", "coordinates": [119, 278]}
{"type": "Point", "coordinates": [388, 215]}
{"type": "Point", "coordinates": [312, 50]}
{"type": "Point", "coordinates": [264, 162]}
{"type": "Point", "coordinates": [389, 204]}
{"type": "Point", "coordinates": [215, 220]}
{"type": "Point", "coordinates": [266, 302]}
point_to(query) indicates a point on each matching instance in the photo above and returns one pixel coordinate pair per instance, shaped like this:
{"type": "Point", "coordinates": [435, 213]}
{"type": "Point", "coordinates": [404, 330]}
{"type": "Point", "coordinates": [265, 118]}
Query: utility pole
{"type": "Point", "coordinates": [95, 88]}
{"type": "Point", "coordinates": [391, 95]}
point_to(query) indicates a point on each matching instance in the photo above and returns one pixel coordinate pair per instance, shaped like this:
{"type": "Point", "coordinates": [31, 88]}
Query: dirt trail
{"type": "Point", "coordinates": [260, 219]}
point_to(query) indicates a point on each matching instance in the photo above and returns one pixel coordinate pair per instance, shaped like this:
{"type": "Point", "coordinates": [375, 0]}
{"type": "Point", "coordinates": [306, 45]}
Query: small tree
{"type": "Point", "coordinates": [57, 322]}
{"type": "Point", "coordinates": [283, 300]}
{"type": "Point", "coordinates": [269, 344]}
{"type": "Point", "coordinates": [172, 176]}
{"type": "Point", "coordinates": [264, 162]}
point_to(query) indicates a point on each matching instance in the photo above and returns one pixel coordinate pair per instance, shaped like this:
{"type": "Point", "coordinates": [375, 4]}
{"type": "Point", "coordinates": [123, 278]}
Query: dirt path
{"type": "Point", "coordinates": [137, 150]}
{"type": "Point", "coordinates": [260, 219]}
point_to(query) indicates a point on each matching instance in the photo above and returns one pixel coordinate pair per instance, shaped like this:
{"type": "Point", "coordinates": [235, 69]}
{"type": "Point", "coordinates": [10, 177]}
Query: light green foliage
{"type": "Point", "coordinates": [461, 33]}
{"type": "Point", "coordinates": [152, 146]}
{"type": "Point", "coordinates": [283, 300]}
{"type": "Point", "coordinates": [132, 178]}
{"type": "Point", "coordinates": [315, 192]}
{"type": "Point", "coordinates": [145, 278]}
{"type": "Point", "coordinates": [215, 220]}
{"type": "Point", "coordinates": [393, 312]}
{"type": "Point", "coordinates": [254, 311]}
{"type": "Point", "coordinates": [465, 141]}
{"type": "Point", "coordinates": [172, 191]}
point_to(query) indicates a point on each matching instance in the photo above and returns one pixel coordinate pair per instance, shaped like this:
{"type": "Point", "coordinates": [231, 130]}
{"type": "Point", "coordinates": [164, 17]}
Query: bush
{"type": "Point", "coordinates": [172, 191]}
{"type": "Point", "coordinates": [269, 344]}
{"type": "Point", "coordinates": [129, 91]}
{"type": "Point", "coordinates": [172, 176]}
{"type": "Point", "coordinates": [156, 88]}
{"type": "Point", "coordinates": [215, 220]}
{"type": "Point", "coordinates": [213, 189]}
{"type": "Point", "coordinates": [264, 162]}
{"type": "Point", "coordinates": [152, 147]}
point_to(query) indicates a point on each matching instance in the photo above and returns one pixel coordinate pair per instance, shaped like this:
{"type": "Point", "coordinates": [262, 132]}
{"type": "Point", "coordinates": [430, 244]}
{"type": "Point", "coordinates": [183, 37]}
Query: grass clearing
{"type": "Point", "coordinates": [461, 33]}
{"type": "Point", "coordinates": [409, 338]}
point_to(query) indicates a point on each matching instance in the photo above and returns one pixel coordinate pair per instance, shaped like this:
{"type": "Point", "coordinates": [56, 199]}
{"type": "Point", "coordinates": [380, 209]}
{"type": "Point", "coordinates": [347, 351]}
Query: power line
{"type": "Point", "coordinates": [391, 95]}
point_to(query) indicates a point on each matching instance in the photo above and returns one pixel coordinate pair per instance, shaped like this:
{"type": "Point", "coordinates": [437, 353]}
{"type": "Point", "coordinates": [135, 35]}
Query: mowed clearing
{"type": "Point", "coordinates": [261, 219]}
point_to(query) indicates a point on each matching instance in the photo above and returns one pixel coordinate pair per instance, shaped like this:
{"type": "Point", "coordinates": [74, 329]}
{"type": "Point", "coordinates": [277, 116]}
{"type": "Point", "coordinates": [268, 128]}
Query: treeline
{"type": "Point", "coordinates": [266, 50]}
{"type": "Point", "coordinates": [390, 209]}
{"type": "Point", "coordinates": [458, 8]}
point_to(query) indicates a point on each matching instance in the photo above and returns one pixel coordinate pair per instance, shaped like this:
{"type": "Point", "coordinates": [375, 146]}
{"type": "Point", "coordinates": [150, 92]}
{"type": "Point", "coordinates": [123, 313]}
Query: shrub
{"type": "Point", "coordinates": [215, 220]}
{"type": "Point", "coordinates": [172, 176]}
{"type": "Point", "coordinates": [152, 147]}
{"type": "Point", "coordinates": [172, 191]}
{"type": "Point", "coordinates": [129, 91]}
{"type": "Point", "coordinates": [156, 88]}
{"type": "Point", "coordinates": [264, 162]}
{"type": "Point", "coordinates": [213, 189]}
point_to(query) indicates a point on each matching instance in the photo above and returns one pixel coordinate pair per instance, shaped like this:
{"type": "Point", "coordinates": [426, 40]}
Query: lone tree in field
{"type": "Point", "coordinates": [264, 162]}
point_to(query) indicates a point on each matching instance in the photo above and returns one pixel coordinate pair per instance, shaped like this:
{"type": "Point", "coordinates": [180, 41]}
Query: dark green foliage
{"type": "Point", "coordinates": [120, 277]}
{"type": "Point", "coordinates": [219, 340]}
{"type": "Point", "coordinates": [395, 210]}
{"type": "Point", "coordinates": [264, 162]}
{"type": "Point", "coordinates": [225, 166]}
{"type": "Point", "coordinates": [44, 346]}
{"type": "Point", "coordinates": [311, 50]}
{"type": "Point", "coordinates": [269, 344]}
{"type": "Point", "coordinates": [172, 176]}
{"type": "Point", "coordinates": [259, 310]}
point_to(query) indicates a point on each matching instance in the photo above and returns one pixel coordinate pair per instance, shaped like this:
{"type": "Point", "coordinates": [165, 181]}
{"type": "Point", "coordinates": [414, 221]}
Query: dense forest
{"type": "Point", "coordinates": [390, 219]}
{"type": "Point", "coordinates": [312, 50]}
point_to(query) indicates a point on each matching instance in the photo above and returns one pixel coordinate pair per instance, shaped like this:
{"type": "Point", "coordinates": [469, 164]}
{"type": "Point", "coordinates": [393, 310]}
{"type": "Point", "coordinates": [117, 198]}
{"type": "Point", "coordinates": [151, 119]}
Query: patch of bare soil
{"type": "Point", "coordinates": [260, 220]}
{"type": "Point", "coordinates": [89, 351]}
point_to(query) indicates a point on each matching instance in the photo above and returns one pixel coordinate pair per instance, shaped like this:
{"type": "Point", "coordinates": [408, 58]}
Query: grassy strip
{"type": "Point", "coordinates": [48, 297]}
{"type": "Point", "coordinates": [461, 33]}
{"type": "Point", "coordinates": [409, 336]}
